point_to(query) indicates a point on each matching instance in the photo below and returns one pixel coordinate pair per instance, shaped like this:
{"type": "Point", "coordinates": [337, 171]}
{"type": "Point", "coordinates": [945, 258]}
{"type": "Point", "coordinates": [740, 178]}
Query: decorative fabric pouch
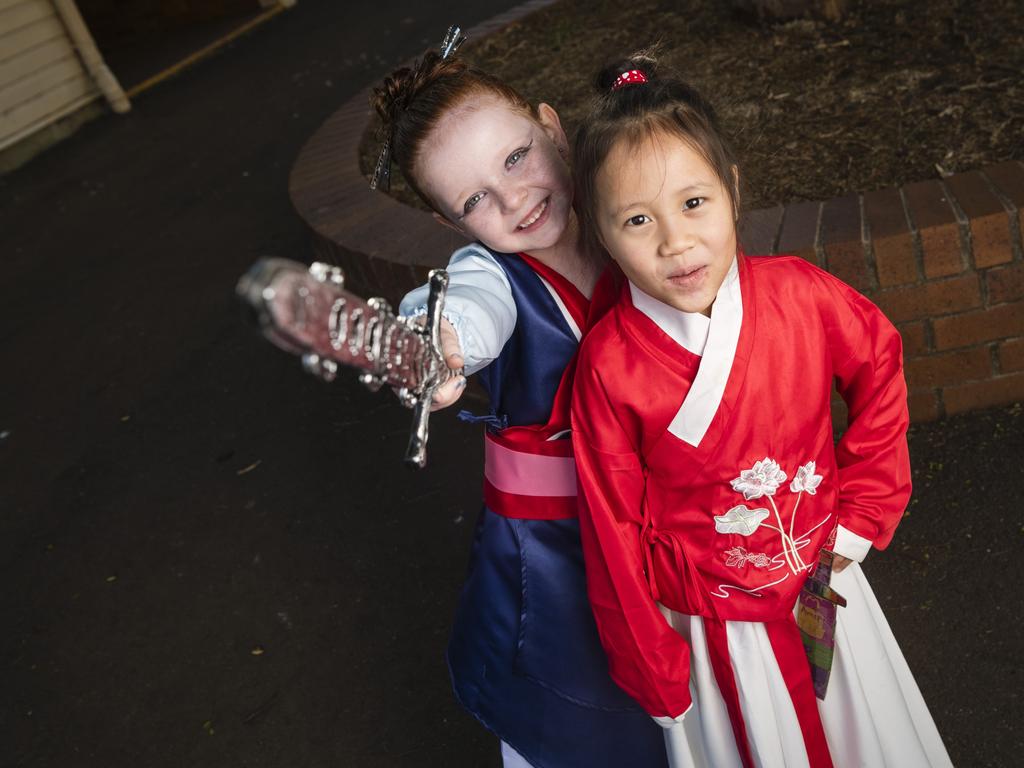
{"type": "Point", "coordinates": [816, 618]}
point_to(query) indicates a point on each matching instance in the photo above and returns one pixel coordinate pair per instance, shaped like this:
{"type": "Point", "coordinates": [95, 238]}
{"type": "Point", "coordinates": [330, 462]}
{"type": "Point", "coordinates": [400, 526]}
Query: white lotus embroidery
{"type": "Point", "coordinates": [762, 479]}
{"type": "Point", "coordinates": [738, 557]}
{"type": "Point", "coordinates": [805, 479]}
{"type": "Point", "coordinates": [740, 520]}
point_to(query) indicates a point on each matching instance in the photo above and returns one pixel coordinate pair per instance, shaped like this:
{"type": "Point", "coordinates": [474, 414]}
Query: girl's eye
{"type": "Point", "coordinates": [471, 203]}
{"type": "Point", "coordinates": [693, 202]}
{"type": "Point", "coordinates": [636, 221]}
{"type": "Point", "coordinates": [518, 155]}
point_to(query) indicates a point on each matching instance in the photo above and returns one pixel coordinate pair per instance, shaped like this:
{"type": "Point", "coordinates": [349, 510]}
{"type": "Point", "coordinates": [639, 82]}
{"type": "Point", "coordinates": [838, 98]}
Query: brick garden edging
{"type": "Point", "coordinates": [943, 259]}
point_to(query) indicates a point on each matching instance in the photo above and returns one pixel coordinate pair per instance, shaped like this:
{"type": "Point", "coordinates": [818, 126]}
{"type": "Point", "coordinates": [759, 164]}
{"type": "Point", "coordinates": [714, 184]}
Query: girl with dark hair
{"type": "Point", "coordinates": [524, 654]}
{"type": "Point", "coordinates": [710, 482]}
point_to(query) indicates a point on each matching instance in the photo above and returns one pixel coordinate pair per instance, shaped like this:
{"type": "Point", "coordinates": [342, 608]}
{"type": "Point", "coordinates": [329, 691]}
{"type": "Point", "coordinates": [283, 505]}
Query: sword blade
{"type": "Point", "coordinates": [301, 312]}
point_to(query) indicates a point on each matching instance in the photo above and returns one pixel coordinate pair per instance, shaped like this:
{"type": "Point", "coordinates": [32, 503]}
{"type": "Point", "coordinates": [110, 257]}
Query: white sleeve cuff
{"type": "Point", "coordinates": [668, 722]}
{"type": "Point", "coordinates": [850, 545]}
{"type": "Point", "coordinates": [479, 306]}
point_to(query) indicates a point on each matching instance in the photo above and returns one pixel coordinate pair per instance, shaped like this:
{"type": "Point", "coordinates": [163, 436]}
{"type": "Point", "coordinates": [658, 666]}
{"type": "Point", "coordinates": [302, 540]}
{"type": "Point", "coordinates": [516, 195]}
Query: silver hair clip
{"type": "Point", "coordinates": [382, 171]}
{"type": "Point", "coordinates": [381, 179]}
{"type": "Point", "coordinates": [453, 38]}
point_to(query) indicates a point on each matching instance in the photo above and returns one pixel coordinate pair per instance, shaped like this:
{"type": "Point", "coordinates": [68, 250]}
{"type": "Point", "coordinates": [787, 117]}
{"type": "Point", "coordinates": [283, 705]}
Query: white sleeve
{"type": "Point", "coordinates": [479, 305]}
{"type": "Point", "coordinates": [850, 545]}
{"type": "Point", "coordinates": [668, 722]}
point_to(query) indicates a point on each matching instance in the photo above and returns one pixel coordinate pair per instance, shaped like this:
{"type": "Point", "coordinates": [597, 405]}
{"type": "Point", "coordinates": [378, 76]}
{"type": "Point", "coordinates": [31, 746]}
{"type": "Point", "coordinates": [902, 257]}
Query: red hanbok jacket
{"type": "Point", "coordinates": [711, 481]}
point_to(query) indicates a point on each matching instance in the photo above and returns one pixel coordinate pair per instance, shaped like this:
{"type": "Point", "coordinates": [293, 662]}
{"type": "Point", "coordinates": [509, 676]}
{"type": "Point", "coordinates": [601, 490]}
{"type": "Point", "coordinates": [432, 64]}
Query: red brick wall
{"type": "Point", "coordinates": [943, 259]}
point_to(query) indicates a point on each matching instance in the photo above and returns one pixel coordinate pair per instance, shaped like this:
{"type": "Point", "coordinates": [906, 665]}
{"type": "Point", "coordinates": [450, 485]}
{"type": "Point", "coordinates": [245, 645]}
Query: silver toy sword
{"type": "Point", "coordinates": [308, 312]}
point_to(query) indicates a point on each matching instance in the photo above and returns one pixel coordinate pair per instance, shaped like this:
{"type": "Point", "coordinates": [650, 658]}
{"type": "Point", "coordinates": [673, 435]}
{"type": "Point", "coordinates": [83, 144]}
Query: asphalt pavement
{"type": "Point", "coordinates": [208, 558]}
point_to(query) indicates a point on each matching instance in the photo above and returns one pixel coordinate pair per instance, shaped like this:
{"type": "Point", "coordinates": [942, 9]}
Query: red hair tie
{"type": "Point", "coordinates": [629, 78]}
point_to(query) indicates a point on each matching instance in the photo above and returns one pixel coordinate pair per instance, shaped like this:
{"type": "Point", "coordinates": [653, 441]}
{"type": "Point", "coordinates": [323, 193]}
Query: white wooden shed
{"type": "Point", "coordinates": [49, 67]}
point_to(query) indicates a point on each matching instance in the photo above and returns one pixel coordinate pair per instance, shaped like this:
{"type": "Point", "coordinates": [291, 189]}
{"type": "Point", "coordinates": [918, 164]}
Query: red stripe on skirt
{"type": "Point", "coordinates": [789, 652]}
{"type": "Point", "coordinates": [718, 652]}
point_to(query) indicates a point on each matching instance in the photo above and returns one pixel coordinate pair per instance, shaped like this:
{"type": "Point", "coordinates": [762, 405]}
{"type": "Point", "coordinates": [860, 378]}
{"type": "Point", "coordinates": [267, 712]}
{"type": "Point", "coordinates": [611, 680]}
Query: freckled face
{"type": "Point", "coordinates": [665, 217]}
{"type": "Point", "coordinates": [498, 176]}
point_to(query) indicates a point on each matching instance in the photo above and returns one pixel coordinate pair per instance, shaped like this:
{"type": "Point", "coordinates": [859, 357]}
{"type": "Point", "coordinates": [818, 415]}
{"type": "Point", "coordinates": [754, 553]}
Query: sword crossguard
{"type": "Point", "coordinates": [437, 371]}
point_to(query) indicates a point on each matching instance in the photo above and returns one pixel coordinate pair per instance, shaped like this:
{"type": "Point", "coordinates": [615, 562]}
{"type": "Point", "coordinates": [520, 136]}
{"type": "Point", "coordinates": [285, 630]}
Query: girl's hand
{"type": "Point", "coordinates": [839, 563]}
{"type": "Point", "coordinates": [451, 351]}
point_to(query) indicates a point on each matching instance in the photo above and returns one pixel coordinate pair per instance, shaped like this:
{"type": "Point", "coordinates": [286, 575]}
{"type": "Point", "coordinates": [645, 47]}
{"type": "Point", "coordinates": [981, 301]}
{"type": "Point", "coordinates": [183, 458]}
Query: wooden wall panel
{"type": "Point", "coordinates": [41, 75]}
{"type": "Point", "coordinates": [16, 42]}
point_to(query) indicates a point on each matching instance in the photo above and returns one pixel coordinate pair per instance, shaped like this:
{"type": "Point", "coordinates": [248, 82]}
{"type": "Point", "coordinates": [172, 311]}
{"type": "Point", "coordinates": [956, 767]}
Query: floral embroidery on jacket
{"type": "Point", "coordinates": [805, 480]}
{"type": "Point", "coordinates": [762, 481]}
{"type": "Point", "coordinates": [738, 557]}
{"type": "Point", "coordinates": [764, 478]}
{"type": "Point", "coordinates": [740, 520]}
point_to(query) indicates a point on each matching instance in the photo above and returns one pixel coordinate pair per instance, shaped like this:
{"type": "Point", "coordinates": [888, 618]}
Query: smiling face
{"type": "Point", "coordinates": [496, 174]}
{"type": "Point", "coordinates": [665, 217]}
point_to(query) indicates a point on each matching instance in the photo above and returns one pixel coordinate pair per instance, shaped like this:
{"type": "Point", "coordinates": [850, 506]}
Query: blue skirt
{"type": "Point", "coordinates": [525, 657]}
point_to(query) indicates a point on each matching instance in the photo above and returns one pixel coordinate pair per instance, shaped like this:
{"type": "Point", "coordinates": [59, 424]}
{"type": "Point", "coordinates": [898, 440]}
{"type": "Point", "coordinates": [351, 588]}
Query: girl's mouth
{"type": "Point", "coordinates": [536, 217]}
{"type": "Point", "coordinates": [687, 278]}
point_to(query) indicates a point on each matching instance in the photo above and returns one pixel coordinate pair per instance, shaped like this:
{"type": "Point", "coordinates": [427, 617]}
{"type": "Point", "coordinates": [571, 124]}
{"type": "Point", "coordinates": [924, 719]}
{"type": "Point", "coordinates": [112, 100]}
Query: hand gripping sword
{"type": "Point", "coordinates": [308, 312]}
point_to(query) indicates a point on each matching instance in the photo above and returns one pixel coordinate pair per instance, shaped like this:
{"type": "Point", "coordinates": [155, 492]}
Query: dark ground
{"type": "Point", "coordinates": [175, 495]}
{"type": "Point", "coordinates": [140, 38]}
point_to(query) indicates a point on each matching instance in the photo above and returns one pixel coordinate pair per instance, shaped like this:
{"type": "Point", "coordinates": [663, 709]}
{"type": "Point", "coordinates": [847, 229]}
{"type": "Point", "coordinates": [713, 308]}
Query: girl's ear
{"type": "Point", "coordinates": [444, 222]}
{"type": "Point", "coordinates": [548, 119]}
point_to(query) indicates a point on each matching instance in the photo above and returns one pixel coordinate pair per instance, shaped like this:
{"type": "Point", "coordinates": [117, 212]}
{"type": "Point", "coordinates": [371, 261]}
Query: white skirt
{"type": "Point", "coordinates": [873, 714]}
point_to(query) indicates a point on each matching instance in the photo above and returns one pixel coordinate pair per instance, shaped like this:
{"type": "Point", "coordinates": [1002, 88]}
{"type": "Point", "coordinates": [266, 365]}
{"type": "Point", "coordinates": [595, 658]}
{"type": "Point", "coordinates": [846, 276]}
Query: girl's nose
{"type": "Point", "coordinates": [675, 238]}
{"type": "Point", "coordinates": [512, 198]}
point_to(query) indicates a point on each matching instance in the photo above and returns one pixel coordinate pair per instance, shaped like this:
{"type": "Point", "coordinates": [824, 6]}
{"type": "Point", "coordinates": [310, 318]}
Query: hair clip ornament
{"type": "Point", "coordinates": [630, 77]}
{"type": "Point", "coordinates": [381, 178]}
{"type": "Point", "coordinates": [382, 171]}
{"type": "Point", "coordinates": [453, 38]}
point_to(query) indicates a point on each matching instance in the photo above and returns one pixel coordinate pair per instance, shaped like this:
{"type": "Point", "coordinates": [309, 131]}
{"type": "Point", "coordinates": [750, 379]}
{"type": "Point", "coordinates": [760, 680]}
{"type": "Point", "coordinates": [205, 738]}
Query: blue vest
{"type": "Point", "coordinates": [524, 655]}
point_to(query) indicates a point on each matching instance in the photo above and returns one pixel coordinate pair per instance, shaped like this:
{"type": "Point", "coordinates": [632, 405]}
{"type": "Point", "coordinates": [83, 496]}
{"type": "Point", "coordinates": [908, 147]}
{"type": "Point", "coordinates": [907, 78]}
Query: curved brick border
{"type": "Point", "coordinates": [943, 259]}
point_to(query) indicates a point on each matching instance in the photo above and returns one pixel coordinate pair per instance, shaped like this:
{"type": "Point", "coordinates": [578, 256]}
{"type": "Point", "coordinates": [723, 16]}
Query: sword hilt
{"type": "Point", "coordinates": [438, 374]}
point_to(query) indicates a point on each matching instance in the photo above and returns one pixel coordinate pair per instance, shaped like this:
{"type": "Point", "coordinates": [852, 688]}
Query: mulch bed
{"type": "Point", "coordinates": [894, 93]}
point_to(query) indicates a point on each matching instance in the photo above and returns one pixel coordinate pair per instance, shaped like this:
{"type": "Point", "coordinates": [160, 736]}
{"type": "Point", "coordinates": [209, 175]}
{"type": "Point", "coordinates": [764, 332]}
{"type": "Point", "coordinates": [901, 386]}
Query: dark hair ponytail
{"type": "Point", "coordinates": [643, 61]}
{"type": "Point", "coordinates": [633, 101]}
